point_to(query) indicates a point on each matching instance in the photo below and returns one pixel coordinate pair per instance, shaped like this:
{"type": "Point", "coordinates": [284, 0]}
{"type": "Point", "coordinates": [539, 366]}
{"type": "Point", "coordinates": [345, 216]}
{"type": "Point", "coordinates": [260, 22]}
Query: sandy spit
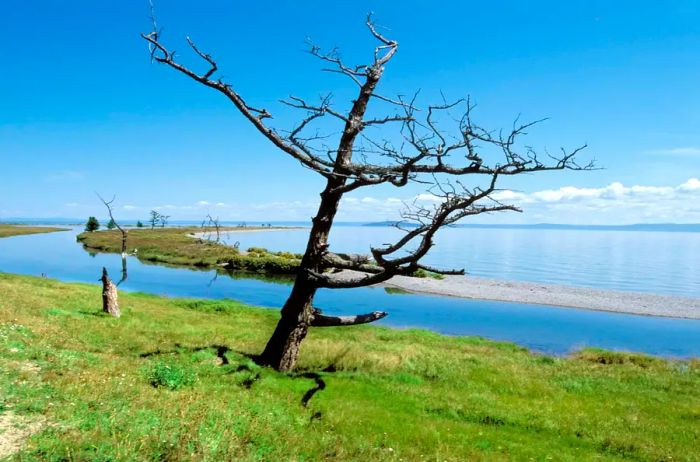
{"type": "Point", "coordinates": [478, 288]}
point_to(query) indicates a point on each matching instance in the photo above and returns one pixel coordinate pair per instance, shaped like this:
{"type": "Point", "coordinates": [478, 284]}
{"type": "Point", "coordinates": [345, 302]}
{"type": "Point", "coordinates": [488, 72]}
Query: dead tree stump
{"type": "Point", "coordinates": [110, 302]}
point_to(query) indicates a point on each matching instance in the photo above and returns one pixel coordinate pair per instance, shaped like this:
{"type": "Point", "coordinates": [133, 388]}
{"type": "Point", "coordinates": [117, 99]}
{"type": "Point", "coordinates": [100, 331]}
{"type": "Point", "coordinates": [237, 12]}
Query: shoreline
{"type": "Point", "coordinates": [530, 293]}
{"type": "Point", "coordinates": [555, 295]}
{"type": "Point", "coordinates": [204, 234]}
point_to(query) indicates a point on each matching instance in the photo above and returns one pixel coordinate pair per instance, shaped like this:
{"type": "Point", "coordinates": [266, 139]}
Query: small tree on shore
{"type": "Point", "coordinates": [92, 224]}
{"type": "Point", "coordinates": [154, 218]}
{"type": "Point", "coordinates": [421, 151]}
{"type": "Point", "coordinates": [123, 232]}
{"type": "Point", "coordinates": [139, 224]}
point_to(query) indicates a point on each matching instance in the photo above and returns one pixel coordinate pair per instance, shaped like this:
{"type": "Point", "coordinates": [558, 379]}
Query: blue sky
{"type": "Point", "coordinates": [84, 110]}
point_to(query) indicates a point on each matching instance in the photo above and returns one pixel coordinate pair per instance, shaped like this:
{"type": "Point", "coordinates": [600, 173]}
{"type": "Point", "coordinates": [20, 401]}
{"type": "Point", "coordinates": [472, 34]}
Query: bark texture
{"type": "Point", "coordinates": [110, 298]}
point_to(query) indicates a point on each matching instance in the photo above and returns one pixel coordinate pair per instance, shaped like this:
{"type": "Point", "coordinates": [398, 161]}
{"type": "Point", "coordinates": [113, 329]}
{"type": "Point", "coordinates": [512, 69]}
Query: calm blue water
{"type": "Point", "coordinates": [658, 262]}
{"type": "Point", "coordinates": [546, 329]}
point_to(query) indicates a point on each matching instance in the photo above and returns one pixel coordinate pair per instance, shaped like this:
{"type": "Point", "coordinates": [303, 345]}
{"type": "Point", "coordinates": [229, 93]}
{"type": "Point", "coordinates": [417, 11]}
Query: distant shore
{"type": "Point", "coordinates": [8, 230]}
{"type": "Point", "coordinates": [535, 293]}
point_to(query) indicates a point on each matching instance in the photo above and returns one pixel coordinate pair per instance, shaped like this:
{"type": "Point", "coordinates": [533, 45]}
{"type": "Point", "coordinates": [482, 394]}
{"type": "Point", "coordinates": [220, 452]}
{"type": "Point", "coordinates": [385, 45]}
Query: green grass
{"type": "Point", "coordinates": [173, 246]}
{"type": "Point", "coordinates": [173, 379]}
{"type": "Point", "coordinates": [16, 230]}
{"type": "Point", "coordinates": [421, 273]}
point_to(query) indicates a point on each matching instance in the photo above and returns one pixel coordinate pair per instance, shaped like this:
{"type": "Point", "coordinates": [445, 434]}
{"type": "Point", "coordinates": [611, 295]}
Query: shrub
{"type": "Point", "coordinates": [264, 262]}
{"type": "Point", "coordinates": [111, 224]}
{"type": "Point", "coordinates": [170, 375]}
{"type": "Point", "coordinates": [421, 273]}
{"type": "Point", "coordinates": [595, 355]}
{"type": "Point", "coordinates": [92, 224]}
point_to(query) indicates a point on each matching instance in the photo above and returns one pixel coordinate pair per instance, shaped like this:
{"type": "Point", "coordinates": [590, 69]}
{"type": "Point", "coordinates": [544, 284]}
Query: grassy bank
{"type": "Point", "coordinates": [172, 380]}
{"type": "Point", "coordinates": [16, 230]}
{"type": "Point", "coordinates": [174, 246]}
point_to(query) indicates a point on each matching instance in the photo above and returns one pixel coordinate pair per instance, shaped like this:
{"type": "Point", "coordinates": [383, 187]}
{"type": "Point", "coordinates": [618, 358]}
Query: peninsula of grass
{"type": "Point", "coordinates": [177, 246]}
{"type": "Point", "coordinates": [7, 230]}
{"type": "Point", "coordinates": [173, 379]}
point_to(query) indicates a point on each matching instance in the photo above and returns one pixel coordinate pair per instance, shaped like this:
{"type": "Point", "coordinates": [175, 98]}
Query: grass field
{"type": "Point", "coordinates": [173, 380]}
{"type": "Point", "coordinates": [15, 230]}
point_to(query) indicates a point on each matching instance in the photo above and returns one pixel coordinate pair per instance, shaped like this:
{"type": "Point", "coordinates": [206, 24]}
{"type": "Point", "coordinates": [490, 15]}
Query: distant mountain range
{"type": "Point", "coordinates": [657, 227]}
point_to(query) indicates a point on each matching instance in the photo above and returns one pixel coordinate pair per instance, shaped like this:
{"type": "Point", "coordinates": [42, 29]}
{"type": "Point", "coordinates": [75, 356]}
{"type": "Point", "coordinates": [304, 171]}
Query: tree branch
{"type": "Point", "coordinates": [320, 320]}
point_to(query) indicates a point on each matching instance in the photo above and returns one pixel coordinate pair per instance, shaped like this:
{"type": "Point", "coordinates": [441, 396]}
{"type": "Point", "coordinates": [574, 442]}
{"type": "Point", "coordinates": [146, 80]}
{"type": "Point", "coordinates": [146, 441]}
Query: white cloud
{"type": "Point", "coordinates": [615, 203]}
{"type": "Point", "coordinates": [611, 204]}
{"type": "Point", "coordinates": [613, 192]}
{"type": "Point", "coordinates": [427, 197]}
{"type": "Point", "coordinates": [72, 204]}
{"type": "Point", "coordinates": [692, 184]}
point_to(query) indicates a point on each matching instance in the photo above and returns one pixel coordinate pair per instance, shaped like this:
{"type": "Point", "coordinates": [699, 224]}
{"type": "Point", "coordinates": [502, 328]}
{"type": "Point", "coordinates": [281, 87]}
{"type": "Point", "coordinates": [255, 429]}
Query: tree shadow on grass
{"type": "Point", "coordinates": [249, 374]}
{"type": "Point", "coordinates": [221, 351]}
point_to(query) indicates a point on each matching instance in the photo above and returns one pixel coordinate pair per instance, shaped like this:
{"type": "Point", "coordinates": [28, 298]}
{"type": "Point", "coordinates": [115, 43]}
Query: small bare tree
{"type": "Point", "coordinates": [154, 218]}
{"type": "Point", "coordinates": [211, 222]}
{"type": "Point", "coordinates": [124, 233]}
{"type": "Point", "coordinates": [421, 151]}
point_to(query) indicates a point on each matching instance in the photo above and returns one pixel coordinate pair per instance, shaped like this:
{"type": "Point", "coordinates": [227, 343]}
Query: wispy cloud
{"type": "Point", "coordinates": [690, 151]}
{"type": "Point", "coordinates": [65, 176]}
{"type": "Point", "coordinates": [614, 192]}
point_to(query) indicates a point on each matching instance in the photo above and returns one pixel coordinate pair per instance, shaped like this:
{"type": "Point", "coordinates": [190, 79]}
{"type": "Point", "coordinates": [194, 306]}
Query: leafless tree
{"type": "Point", "coordinates": [420, 151]}
{"type": "Point", "coordinates": [154, 218]}
{"type": "Point", "coordinates": [123, 232]}
{"type": "Point", "coordinates": [211, 222]}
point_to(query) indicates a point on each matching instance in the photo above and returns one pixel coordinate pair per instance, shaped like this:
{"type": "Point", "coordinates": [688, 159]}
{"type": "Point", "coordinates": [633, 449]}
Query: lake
{"type": "Point", "coordinates": [646, 261]}
{"type": "Point", "coordinates": [649, 261]}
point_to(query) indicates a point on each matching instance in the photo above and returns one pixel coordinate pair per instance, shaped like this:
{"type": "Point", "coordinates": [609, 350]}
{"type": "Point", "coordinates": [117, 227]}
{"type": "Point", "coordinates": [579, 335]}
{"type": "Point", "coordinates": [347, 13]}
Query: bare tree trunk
{"type": "Point", "coordinates": [282, 350]}
{"type": "Point", "coordinates": [110, 302]}
{"type": "Point", "coordinates": [124, 235]}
